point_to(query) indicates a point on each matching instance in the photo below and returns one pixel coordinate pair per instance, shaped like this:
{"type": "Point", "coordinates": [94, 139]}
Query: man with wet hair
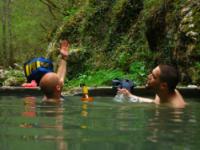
{"type": "Point", "coordinates": [163, 80]}
{"type": "Point", "coordinates": [169, 75]}
{"type": "Point", "coordinates": [52, 83]}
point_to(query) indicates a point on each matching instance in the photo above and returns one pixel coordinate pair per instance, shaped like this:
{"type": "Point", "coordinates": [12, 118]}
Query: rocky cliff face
{"type": "Point", "coordinates": [175, 28]}
{"type": "Point", "coordinates": [118, 33]}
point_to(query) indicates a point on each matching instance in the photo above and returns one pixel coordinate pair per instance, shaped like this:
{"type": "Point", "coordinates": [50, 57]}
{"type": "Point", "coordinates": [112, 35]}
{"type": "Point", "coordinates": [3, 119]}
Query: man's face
{"type": "Point", "coordinates": [153, 79]}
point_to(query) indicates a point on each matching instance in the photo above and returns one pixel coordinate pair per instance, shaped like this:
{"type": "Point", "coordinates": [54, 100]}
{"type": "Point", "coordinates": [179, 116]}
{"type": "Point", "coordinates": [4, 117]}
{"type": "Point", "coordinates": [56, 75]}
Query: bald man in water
{"type": "Point", "coordinates": [51, 83]}
{"type": "Point", "coordinates": [163, 80]}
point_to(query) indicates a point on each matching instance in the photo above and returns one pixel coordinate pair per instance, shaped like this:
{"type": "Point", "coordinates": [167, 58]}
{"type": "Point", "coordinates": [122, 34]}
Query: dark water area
{"type": "Point", "coordinates": [25, 123]}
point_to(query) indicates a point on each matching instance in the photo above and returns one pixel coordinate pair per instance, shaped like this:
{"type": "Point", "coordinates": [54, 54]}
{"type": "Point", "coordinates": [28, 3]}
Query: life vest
{"type": "Point", "coordinates": [35, 68]}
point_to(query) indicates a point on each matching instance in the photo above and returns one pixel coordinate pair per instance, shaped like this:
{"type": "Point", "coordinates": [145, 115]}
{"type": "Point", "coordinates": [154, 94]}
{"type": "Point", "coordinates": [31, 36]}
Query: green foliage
{"type": "Point", "coordinates": [96, 78]}
{"type": "Point", "coordinates": [138, 72]}
{"type": "Point", "coordinates": [123, 57]}
{"type": "Point", "coordinates": [194, 72]}
{"type": "Point", "coordinates": [151, 4]}
{"type": "Point", "coordinates": [13, 72]}
{"type": "Point", "coordinates": [114, 34]}
{"type": "Point", "coordinates": [31, 24]}
{"type": "Point", "coordinates": [13, 77]}
{"type": "Point", "coordinates": [197, 66]}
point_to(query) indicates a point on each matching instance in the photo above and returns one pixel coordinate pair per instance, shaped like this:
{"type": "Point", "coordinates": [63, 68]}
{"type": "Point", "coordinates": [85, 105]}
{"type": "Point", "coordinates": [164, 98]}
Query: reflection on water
{"type": "Point", "coordinates": [45, 110]}
{"type": "Point", "coordinates": [26, 123]}
{"type": "Point", "coordinates": [158, 122]}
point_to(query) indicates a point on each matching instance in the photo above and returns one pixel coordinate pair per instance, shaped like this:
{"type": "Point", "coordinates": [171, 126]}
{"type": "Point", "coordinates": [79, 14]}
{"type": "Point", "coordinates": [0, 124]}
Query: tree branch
{"type": "Point", "coordinates": [52, 6]}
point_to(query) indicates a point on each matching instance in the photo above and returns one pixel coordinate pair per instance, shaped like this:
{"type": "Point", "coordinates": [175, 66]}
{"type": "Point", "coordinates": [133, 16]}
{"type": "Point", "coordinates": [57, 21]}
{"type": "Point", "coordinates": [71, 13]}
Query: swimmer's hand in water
{"type": "Point", "coordinates": [64, 47]}
{"type": "Point", "coordinates": [124, 91]}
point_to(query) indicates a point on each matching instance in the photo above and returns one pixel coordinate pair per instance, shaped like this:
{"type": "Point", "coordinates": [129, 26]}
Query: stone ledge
{"type": "Point", "coordinates": [19, 91]}
{"type": "Point", "coordinates": [95, 91]}
{"type": "Point", "coordinates": [142, 91]}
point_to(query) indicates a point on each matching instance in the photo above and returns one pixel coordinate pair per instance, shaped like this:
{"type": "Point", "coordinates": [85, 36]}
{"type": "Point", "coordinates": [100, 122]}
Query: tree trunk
{"type": "Point", "coordinates": [10, 46]}
{"type": "Point", "coordinates": [7, 52]}
{"type": "Point", "coordinates": [4, 33]}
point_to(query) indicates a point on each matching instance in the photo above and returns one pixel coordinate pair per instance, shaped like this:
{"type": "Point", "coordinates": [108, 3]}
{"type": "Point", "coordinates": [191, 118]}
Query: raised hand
{"type": "Point", "coordinates": [64, 47]}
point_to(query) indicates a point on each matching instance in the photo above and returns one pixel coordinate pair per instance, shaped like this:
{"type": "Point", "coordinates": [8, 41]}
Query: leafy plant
{"type": "Point", "coordinates": [138, 72]}
{"type": "Point", "coordinates": [123, 57]}
{"type": "Point", "coordinates": [95, 78]}
{"type": "Point", "coordinates": [13, 77]}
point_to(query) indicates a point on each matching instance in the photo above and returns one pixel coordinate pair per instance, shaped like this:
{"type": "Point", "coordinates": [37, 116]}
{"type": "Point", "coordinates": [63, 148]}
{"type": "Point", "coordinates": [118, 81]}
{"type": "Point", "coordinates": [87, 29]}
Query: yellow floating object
{"type": "Point", "coordinates": [85, 90]}
{"type": "Point", "coordinates": [87, 99]}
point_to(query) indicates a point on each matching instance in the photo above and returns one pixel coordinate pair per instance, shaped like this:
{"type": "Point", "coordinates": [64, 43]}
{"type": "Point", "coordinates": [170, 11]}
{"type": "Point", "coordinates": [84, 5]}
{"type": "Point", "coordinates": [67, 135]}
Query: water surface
{"type": "Point", "coordinates": [101, 125]}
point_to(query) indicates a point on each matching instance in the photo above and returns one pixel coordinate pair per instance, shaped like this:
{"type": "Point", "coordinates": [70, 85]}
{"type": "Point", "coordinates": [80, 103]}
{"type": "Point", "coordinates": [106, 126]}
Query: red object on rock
{"type": "Point", "coordinates": [30, 85]}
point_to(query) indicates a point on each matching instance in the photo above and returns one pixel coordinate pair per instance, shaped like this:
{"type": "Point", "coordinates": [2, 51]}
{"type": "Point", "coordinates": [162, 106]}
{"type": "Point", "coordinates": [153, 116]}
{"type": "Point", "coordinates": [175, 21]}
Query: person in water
{"type": "Point", "coordinates": [163, 80]}
{"type": "Point", "coordinates": [52, 83]}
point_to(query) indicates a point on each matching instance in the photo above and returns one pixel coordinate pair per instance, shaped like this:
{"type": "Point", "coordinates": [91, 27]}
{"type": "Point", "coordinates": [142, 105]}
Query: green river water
{"type": "Point", "coordinates": [26, 124]}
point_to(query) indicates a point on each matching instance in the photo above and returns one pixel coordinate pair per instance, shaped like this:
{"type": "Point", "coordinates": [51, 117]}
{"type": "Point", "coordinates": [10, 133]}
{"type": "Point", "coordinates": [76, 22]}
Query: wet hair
{"type": "Point", "coordinates": [170, 75]}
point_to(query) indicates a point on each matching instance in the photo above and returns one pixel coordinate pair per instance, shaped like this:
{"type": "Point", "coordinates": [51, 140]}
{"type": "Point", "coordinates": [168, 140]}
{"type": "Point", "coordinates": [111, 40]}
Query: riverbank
{"type": "Point", "coordinates": [94, 91]}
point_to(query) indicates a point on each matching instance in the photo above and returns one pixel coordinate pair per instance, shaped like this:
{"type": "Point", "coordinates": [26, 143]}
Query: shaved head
{"type": "Point", "coordinates": [49, 84]}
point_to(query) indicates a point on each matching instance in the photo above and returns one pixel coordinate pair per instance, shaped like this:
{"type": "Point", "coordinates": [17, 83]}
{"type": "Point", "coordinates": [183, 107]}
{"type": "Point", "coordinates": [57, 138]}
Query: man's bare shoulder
{"type": "Point", "coordinates": [178, 100]}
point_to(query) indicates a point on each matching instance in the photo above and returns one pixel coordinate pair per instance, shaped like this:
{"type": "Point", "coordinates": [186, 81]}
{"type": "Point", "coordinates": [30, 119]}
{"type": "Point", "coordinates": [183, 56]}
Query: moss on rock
{"type": "Point", "coordinates": [117, 33]}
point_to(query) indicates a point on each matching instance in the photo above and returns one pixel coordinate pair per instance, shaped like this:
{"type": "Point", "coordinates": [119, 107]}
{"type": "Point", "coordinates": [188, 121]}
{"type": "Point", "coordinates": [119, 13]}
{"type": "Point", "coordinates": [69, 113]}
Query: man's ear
{"type": "Point", "coordinates": [164, 85]}
{"type": "Point", "coordinates": [58, 88]}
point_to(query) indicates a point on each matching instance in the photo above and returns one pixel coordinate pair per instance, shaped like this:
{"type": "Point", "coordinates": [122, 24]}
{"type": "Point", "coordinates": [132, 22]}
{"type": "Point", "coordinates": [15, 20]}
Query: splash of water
{"type": "Point", "coordinates": [120, 98]}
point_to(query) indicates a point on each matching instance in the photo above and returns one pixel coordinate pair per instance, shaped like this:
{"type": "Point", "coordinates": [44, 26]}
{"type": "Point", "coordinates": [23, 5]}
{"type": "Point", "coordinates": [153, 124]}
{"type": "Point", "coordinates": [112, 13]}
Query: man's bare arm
{"type": "Point", "coordinates": [62, 68]}
{"type": "Point", "coordinates": [135, 98]}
